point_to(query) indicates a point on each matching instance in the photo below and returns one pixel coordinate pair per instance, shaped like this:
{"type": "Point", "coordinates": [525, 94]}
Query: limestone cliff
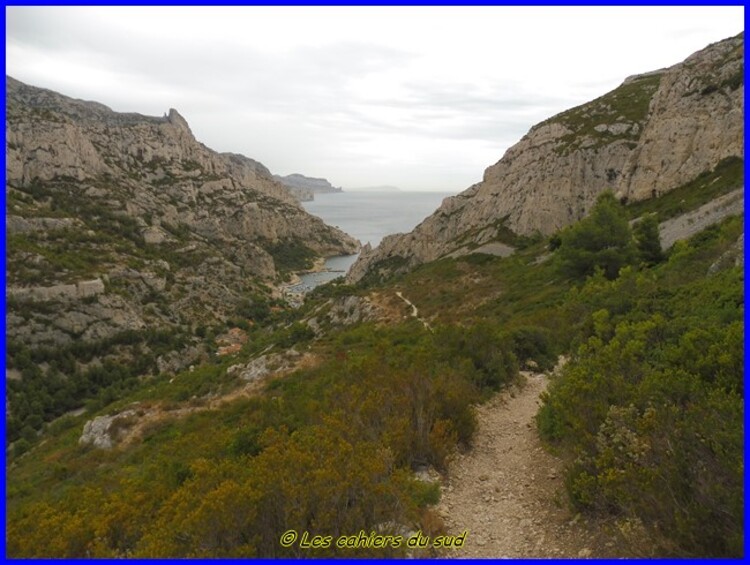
{"type": "Point", "coordinates": [305, 188]}
{"type": "Point", "coordinates": [652, 134]}
{"type": "Point", "coordinates": [168, 233]}
{"type": "Point", "coordinates": [301, 194]}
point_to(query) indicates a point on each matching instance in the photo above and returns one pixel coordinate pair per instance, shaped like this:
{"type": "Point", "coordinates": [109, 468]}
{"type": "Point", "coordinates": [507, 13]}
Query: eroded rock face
{"type": "Point", "coordinates": [349, 310]}
{"type": "Point", "coordinates": [18, 224]}
{"type": "Point", "coordinates": [344, 311]}
{"type": "Point", "coordinates": [652, 134]}
{"type": "Point", "coordinates": [695, 120]}
{"type": "Point", "coordinates": [80, 290]}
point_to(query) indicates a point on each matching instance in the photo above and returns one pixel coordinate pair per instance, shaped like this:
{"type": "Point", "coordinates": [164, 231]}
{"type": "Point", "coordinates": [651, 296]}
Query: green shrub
{"type": "Point", "coordinates": [652, 402]}
{"type": "Point", "coordinates": [532, 343]}
{"type": "Point", "coordinates": [290, 255]}
{"type": "Point", "coordinates": [256, 309]}
{"type": "Point", "coordinates": [20, 447]}
{"type": "Point", "coordinates": [602, 240]}
{"type": "Point", "coordinates": [297, 333]}
{"type": "Point", "coordinates": [489, 351]}
{"type": "Point", "coordinates": [646, 236]}
{"type": "Point", "coordinates": [246, 442]}
{"type": "Point", "coordinates": [424, 493]}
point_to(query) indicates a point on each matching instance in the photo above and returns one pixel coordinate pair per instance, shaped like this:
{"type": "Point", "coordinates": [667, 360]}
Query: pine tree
{"type": "Point", "coordinates": [601, 240]}
{"type": "Point", "coordinates": [646, 235]}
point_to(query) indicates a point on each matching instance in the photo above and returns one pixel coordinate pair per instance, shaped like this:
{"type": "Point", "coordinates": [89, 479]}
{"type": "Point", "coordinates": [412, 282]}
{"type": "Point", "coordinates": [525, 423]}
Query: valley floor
{"type": "Point", "coordinates": [508, 492]}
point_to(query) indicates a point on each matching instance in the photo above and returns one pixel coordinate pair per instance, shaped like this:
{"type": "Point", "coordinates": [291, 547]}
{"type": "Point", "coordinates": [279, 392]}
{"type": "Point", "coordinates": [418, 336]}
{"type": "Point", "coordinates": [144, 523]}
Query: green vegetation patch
{"type": "Point", "coordinates": [652, 400]}
{"type": "Point", "coordinates": [345, 434]}
{"type": "Point", "coordinates": [290, 255]}
{"type": "Point", "coordinates": [72, 381]}
{"type": "Point", "coordinates": [383, 269]}
{"type": "Point", "coordinates": [64, 255]}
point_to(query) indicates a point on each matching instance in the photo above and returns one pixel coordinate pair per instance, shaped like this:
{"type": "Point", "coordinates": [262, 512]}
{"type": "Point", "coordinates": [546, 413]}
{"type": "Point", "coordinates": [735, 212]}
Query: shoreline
{"type": "Point", "coordinates": [319, 266]}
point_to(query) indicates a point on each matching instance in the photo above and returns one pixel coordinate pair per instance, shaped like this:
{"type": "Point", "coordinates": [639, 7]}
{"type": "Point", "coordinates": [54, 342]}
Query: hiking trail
{"type": "Point", "coordinates": [508, 492]}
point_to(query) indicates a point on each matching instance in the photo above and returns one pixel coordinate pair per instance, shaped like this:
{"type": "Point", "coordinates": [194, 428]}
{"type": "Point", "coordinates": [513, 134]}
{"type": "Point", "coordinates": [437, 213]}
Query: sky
{"type": "Point", "coordinates": [421, 98]}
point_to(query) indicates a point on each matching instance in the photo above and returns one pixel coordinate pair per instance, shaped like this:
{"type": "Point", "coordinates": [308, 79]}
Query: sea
{"type": "Point", "coordinates": [369, 217]}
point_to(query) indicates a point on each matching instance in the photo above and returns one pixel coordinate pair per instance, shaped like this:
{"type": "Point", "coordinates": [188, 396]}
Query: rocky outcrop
{"type": "Point", "coordinates": [80, 290]}
{"type": "Point", "coordinates": [264, 365]}
{"type": "Point", "coordinates": [61, 322]}
{"type": "Point", "coordinates": [103, 432]}
{"type": "Point", "coordinates": [654, 133]}
{"type": "Point", "coordinates": [17, 224]}
{"type": "Point", "coordinates": [344, 311]}
{"type": "Point", "coordinates": [350, 310]}
{"type": "Point", "coordinates": [695, 120]}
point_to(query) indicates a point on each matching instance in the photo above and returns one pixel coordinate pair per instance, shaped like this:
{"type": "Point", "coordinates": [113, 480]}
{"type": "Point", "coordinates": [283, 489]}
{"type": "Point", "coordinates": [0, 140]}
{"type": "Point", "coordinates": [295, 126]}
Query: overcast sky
{"type": "Point", "coordinates": [420, 98]}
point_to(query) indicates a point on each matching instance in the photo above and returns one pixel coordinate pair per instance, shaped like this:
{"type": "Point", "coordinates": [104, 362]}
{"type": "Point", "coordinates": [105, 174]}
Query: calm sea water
{"type": "Point", "coordinates": [368, 216]}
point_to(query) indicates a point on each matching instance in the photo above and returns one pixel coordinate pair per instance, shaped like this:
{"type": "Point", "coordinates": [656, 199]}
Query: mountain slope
{"type": "Point", "coordinates": [122, 225]}
{"type": "Point", "coordinates": [159, 168]}
{"type": "Point", "coordinates": [654, 133]}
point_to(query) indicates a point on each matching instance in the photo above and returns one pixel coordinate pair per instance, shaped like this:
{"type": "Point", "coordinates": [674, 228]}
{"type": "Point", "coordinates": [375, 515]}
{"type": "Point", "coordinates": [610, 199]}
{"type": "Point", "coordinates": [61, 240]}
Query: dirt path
{"type": "Point", "coordinates": [414, 310]}
{"type": "Point", "coordinates": [508, 492]}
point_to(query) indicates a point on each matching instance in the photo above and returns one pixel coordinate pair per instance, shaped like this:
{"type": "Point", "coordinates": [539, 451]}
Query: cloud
{"type": "Point", "coordinates": [416, 97]}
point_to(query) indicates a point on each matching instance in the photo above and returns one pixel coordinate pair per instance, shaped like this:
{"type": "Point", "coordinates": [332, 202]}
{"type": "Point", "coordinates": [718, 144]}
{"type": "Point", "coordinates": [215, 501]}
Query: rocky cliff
{"type": "Point", "coordinates": [305, 188]}
{"type": "Point", "coordinates": [654, 133]}
{"type": "Point", "coordinates": [301, 194]}
{"type": "Point", "coordinates": [123, 222]}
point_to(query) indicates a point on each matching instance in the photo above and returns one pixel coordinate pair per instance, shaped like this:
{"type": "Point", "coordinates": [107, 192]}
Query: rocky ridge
{"type": "Point", "coordinates": [654, 133]}
{"type": "Point", "coordinates": [119, 222]}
